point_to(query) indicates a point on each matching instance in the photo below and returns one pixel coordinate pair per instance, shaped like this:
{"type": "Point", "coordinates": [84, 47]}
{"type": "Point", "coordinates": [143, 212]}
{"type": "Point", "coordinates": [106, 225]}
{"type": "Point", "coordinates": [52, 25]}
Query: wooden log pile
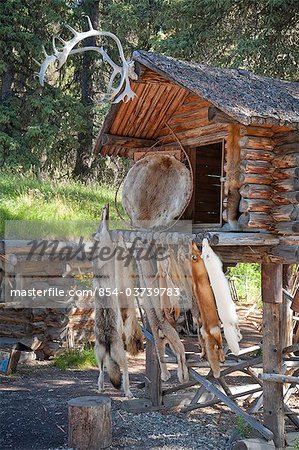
{"type": "Point", "coordinates": [54, 325]}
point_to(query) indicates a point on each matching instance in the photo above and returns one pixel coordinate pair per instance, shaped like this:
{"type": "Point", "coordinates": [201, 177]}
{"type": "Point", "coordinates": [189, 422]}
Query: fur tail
{"type": "Point", "coordinates": [132, 333]}
{"type": "Point", "coordinates": [114, 372]}
{"type": "Point", "coordinates": [232, 337]}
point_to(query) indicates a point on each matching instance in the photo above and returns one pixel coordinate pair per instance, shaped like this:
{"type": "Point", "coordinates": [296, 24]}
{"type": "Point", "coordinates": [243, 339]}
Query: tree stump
{"type": "Point", "coordinates": [89, 423]}
{"type": "Point", "coordinates": [254, 444]}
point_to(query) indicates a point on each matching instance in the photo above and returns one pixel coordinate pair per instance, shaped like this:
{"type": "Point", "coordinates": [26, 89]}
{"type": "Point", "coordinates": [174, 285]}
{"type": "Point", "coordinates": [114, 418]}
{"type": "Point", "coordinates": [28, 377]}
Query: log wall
{"type": "Point", "coordinates": [286, 183]}
{"type": "Point", "coordinates": [256, 147]}
{"type": "Point", "coordinates": [269, 183]}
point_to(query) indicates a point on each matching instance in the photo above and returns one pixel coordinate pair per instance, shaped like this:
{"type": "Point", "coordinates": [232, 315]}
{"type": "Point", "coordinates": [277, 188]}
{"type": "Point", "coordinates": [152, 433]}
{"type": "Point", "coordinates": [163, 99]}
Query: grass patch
{"type": "Point", "coordinates": [26, 198]}
{"type": "Point", "coordinates": [76, 359]}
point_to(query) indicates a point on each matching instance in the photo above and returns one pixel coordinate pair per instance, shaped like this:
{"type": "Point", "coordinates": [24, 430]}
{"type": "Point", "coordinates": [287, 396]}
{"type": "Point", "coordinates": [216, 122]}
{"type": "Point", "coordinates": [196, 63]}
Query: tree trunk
{"type": "Point", "coordinates": [85, 138]}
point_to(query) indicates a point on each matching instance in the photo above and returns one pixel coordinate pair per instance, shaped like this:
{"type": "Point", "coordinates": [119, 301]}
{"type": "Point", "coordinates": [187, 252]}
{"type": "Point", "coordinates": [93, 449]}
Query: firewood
{"type": "Point", "coordinates": [287, 148]}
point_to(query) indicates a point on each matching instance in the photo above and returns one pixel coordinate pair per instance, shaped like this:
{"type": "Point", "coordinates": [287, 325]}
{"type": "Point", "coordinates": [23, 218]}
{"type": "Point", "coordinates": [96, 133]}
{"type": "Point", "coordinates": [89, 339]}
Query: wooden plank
{"type": "Point", "coordinates": [169, 107]}
{"type": "Point", "coordinates": [266, 433]}
{"type": "Point", "coordinates": [126, 111]}
{"type": "Point", "coordinates": [273, 406]}
{"type": "Point", "coordinates": [278, 378]}
{"type": "Point", "coordinates": [217, 116]}
{"type": "Point", "coordinates": [126, 141]}
{"type": "Point", "coordinates": [272, 283]}
{"type": "Point", "coordinates": [153, 385]}
{"type": "Point", "coordinates": [110, 117]}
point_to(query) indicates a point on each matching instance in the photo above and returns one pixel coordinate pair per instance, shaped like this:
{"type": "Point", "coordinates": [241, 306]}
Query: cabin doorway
{"type": "Point", "coordinates": [208, 186]}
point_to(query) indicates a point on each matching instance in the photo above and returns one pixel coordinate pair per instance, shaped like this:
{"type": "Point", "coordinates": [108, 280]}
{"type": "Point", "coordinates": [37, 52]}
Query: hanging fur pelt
{"type": "Point", "coordinates": [125, 281]}
{"type": "Point", "coordinates": [225, 305]}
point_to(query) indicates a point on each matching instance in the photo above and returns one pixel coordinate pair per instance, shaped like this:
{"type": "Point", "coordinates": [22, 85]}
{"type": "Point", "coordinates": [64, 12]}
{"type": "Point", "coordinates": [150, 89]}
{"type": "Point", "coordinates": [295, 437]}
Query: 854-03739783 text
{"type": "Point", "coordinates": [139, 292]}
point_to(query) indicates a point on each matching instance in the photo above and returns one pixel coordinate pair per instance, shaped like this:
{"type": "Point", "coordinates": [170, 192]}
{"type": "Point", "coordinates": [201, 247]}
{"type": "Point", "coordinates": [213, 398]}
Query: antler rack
{"type": "Point", "coordinates": [123, 91]}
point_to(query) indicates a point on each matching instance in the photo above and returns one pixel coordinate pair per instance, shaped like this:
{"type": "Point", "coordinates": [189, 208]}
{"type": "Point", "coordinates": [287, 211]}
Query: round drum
{"type": "Point", "coordinates": [156, 191]}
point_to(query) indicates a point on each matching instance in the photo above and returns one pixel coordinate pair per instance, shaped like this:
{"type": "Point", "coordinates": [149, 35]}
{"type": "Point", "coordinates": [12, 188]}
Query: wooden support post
{"type": "Point", "coordinates": [90, 424]}
{"type": "Point", "coordinates": [273, 406]}
{"type": "Point", "coordinates": [287, 313]}
{"type": "Point", "coordinates": [153, 385]}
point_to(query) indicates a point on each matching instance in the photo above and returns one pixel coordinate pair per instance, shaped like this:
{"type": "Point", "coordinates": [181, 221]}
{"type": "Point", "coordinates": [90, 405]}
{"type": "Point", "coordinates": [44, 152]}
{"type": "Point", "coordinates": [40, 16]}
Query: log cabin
{"type": "Point", "coordinates": [240, 133]}
{"type": "Point", "coordinates": [239, 130]}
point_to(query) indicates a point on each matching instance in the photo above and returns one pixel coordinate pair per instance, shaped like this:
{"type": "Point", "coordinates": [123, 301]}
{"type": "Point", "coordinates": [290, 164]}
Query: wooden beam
{"type": "Point", "coordinates": [126, 141]}
{"type": "Point", "coordinates": [277, 378]}
{"type": "Point", "coordinates": [106, 126]}
{"type": "Point", "coordinates": [272, 283]}
{"type": "Point", "coordinates": [153, 384]}
{"type": "Point", "coordinates": [217, 116]}
{"type": "Point", "coordinates": [287, 313]}
{"type": "Point", "coordinates": [273, 406]}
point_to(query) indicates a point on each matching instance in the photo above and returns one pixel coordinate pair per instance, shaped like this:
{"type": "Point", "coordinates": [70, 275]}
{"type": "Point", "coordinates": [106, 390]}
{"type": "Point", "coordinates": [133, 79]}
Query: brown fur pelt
{"type": "Point", "coordinates": [132, 335]}
{"type": "Point", "coordinates": [150, 194]}
{"type": "Point", "coordinates": [210, 326]}
{"type": "Point", "coordinates": [232, 183]}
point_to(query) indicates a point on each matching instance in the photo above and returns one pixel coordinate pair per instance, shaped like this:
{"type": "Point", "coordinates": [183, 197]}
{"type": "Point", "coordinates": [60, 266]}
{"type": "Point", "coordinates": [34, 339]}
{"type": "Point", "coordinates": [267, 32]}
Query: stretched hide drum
{"type": "Point", "coordinates": [156, 191]}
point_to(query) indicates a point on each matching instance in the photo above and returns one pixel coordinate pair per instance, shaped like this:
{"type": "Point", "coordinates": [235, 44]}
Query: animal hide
{"type": "Point", "coordinates": [225, 305]}
{"type": "Point", "coordinates": [150, 194]}
{"type": "Point", "coordinates": [125, 282]}
{"type": "Point", "coordinates": [163, 332]}
{"type": "Point", "coordinates": [210, 328]}
{"type": "Point", "coordinates": [232, 183]}
{"type": "Point", "coordinates": [109, 347]}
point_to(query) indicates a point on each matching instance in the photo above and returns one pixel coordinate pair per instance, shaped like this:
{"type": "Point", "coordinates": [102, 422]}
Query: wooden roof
{"type": "Point", "coordinates": [164, 84]}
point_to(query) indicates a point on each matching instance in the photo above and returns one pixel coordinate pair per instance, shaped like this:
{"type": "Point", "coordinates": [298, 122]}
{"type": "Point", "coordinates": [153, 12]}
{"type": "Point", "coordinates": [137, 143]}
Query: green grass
{"type": "Point", "coordinates": [247, 279]}
{"type": "Point", "coordinates": [26, 198]}
{"type": "Point", "coordinates": [243, 429]}
{"type": "Point", "coordinates": [76, 359]}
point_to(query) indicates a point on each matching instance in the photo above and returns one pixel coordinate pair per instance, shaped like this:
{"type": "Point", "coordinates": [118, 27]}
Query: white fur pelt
{"type": "Point", "coordinates": [225, 305]}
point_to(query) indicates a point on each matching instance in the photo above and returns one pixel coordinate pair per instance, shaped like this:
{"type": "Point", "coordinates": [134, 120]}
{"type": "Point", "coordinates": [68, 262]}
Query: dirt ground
{"type": "Point", "coordinates": [33, 414]}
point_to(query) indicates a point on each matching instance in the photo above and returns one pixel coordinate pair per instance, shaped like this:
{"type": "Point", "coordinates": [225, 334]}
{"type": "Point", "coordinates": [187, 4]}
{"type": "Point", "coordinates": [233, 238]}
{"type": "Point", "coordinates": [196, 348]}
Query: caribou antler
{"type": "Point", "coordinates": [126, 71]}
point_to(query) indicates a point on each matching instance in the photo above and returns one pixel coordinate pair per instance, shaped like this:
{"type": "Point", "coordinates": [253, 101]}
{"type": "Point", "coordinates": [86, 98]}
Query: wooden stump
{"type": "Point", "coordinates": [89, 423]}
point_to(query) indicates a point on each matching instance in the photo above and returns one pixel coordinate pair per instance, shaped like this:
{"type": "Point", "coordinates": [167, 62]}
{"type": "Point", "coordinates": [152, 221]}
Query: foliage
{"type": "Point", "coordinates": [26, 198]}
{"type": "Point", "coordinates": [247, 279]}
{"type": "Point", "coordinates": [76, 359]}
{"type": "Point", "coordinates": [46, 130]}
{"type": "Point", "coordinates": [259, 35]}
{"type": "Point", "coordinates": [296, 444]}
{"type": "Point", "coordinates": [242, 428]}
